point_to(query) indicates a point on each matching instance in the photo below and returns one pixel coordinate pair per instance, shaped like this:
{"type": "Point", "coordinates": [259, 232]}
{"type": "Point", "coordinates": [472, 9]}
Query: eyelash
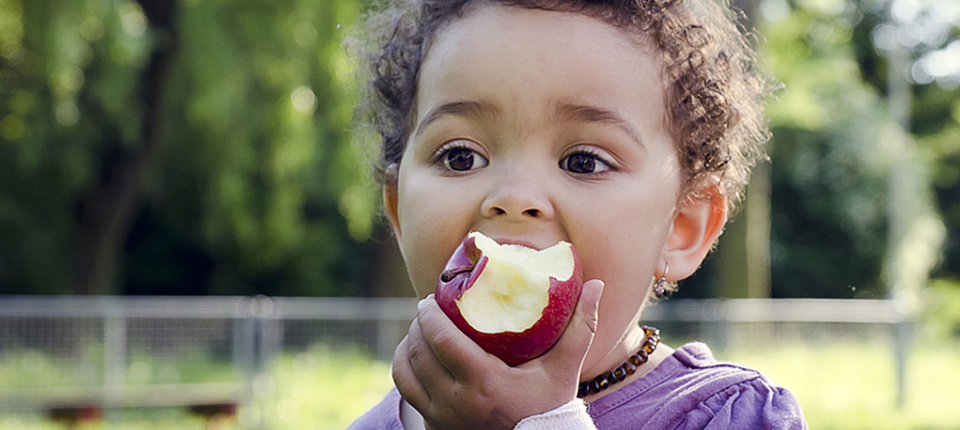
{"type": "Point", "coordinates": [592, 153]}
{"type": "Point", "coordinates": [458, 145]}
{"type": "Point", "coordinates": [445, 150]}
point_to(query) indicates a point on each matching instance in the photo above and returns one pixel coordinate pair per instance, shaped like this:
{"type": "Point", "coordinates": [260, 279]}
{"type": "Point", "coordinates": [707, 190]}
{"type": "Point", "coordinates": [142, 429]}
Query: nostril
{"type": "Point", "coordinates": [532, 212]}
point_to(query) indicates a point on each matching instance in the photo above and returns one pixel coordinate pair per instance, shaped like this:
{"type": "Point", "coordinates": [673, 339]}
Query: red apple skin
{"type": "Point", "coordinates": [513, 348]}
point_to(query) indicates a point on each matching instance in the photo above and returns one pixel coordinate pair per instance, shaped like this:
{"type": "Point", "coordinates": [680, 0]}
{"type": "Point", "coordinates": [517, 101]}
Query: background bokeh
{"type": "Point", "coordinates": [206, 147]}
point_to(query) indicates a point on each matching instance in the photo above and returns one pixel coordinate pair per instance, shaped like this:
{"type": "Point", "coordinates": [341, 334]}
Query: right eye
{"type": "Point", "coordinates": [459, 158]}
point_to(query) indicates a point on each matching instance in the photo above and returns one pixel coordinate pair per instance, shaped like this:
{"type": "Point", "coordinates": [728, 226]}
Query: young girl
{"type": "Point", "coordinates": [626, 127]}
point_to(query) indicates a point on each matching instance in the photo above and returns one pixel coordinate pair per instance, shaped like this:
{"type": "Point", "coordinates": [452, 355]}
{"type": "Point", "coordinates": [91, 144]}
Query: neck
{"type": "Point", "coordinates": [632, 341]}
{"type": "Point", "coordinates": [627, 345]}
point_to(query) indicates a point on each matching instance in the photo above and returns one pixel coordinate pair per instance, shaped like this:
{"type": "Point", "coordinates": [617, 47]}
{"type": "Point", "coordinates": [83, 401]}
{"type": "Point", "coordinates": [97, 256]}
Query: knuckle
{"type": "Point", "coordinates": [418, 351]}
{"type": "Point", "coordinates": [397, 373]}
{"type": "Point", "coordinates": [399, 357]}
{"type": "Point", "coordinates": [591, 322]}
{"type": "Point", "coordinates": [443, 340]}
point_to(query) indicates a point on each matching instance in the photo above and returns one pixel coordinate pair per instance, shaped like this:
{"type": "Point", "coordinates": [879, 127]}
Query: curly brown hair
{"type": "Point", "coordinates": [714, 90]}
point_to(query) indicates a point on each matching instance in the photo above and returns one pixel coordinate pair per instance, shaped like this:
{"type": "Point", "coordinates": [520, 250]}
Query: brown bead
{"type": "Point", "coordinates": [584, 389]}
{"type": "Point", "coordinates": [605, 380]}
{"type": "Point", "coordinates": [620, 373]}
{"type": "Point", "coordinates": [599, 384]}
{"type": "Point", "coordinates": [642, 353]}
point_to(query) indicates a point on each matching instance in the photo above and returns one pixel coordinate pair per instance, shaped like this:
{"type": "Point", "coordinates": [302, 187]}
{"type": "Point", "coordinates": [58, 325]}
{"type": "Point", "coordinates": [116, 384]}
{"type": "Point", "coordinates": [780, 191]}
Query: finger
{"type": "Point", "coordinates": [454, 350]}
{"type": "Point", "coordinates": [405, 379]}
{"type": "Point", "coordinates": [572, 346]}
{"type": "Point", "coordinates": [429, 370]}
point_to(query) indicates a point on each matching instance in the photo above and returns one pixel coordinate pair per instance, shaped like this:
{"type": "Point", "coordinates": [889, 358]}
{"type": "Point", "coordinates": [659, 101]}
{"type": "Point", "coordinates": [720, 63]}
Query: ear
{"type": "Point", "coordinates": [696, 227]}
{"type": "Point", "coordinates": [390, 203]}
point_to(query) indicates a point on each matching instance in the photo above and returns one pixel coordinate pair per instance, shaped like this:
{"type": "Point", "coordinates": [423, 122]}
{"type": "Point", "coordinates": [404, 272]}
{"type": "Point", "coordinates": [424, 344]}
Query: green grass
{"type": "Point", "coordinates": [318, 388]}
{"type": "Point", "coordinates": [840, 386]}
{"type": "Point", "coordinates": [169, 419]}
{"type": "Point", "coordinates": [322, 389]}
{"type": "Point", "coordinates": [853, 386]}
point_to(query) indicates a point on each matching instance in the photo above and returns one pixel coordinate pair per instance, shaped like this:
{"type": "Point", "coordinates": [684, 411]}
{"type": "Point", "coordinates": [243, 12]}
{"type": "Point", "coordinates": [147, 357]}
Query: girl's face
{"type": "Point", "coordinates": [534, 127]}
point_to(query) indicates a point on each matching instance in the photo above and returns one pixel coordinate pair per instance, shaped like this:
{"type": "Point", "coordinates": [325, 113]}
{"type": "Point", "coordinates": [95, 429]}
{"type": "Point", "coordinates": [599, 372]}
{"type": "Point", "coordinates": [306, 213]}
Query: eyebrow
{"type": "Point", "coordinates": [467, 109]}
{"type": "Point", "coordinates": [570, 112]}
{"type": "Point", "coordinates": [565, 112]}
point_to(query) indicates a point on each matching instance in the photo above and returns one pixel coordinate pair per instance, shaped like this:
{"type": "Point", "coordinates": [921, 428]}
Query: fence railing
{"type": "Point", "coordinates": [63, 352]}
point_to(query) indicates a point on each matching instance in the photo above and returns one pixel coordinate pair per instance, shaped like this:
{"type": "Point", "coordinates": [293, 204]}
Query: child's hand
{"type": "Point", "coordinates": [455, 384]}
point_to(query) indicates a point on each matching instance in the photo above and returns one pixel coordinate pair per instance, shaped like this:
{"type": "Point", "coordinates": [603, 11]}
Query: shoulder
{"type": "Point", "coordinates": [385, 415]}
{"type": "Point", "coordinates": [734, 396]}
{"type": "Point", "coordinates": [692, 390]}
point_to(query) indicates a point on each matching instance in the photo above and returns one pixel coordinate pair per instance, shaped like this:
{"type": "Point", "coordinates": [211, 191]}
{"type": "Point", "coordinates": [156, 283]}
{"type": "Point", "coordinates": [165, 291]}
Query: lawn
{"type": "Point", "coordinates": [853, 386]}
{"type": "Point", "coordinates": [840, 386]}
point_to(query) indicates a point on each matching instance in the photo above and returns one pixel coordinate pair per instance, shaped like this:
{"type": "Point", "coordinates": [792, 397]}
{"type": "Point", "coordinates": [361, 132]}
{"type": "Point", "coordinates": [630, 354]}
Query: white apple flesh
{"type": "Point", "coordinates": [512, 300]}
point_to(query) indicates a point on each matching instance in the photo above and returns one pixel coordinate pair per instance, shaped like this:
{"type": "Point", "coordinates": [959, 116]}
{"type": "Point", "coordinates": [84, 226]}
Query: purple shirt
{"type": "Point", "coordinates": [688, 390]}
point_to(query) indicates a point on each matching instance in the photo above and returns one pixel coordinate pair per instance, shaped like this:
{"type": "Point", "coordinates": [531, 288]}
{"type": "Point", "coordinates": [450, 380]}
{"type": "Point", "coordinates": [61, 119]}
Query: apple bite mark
{"type": "Point", "coordinates": [512, 300]}
{"type": "Point", "coordinates": [513, 290]}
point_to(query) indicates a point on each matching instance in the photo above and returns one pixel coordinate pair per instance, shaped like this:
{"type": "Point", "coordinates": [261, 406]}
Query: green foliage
{"type": "Point", "coordinates": [831, 159]}
{"type": "Point", "coordinates": [256, 180]}
{"type": "Point", "coordinates": [937, 122]}
{"type": "Point", "coordinates": [942, 309]}
{"type": "Point", "coordinates": [255, 85]}
{"type": "Point", "coordinates": [66, 96]}
{"type": "Point", "coordinates": [828, 186]}
{"type": "Point", "coordinates": [258, 187]}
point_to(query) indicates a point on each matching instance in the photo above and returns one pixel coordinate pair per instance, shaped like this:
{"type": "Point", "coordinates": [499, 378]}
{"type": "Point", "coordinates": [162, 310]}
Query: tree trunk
{"type": "Point", "coordinates": [744, 253]}
{"type": "Point", "coordinates": [108, 213]}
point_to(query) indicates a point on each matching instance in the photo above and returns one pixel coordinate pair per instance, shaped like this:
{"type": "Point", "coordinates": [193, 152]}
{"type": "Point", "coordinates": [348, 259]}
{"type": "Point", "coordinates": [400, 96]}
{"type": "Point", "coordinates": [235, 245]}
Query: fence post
{"type": "Point", "coordinates": [267, 337]}
{"type": "Point", "coordinates": [902, 344]}
{"type": "Point", "coordinates": [244, 352]}
{"type": "Point", "coordinates": [114, 357]}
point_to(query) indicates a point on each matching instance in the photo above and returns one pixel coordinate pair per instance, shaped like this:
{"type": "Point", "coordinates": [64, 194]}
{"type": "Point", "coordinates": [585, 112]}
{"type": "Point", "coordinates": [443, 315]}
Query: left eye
{"type": "Point", "coordinates": [462, 159]}
{"type": "Point", "coordinates": [583, 163]}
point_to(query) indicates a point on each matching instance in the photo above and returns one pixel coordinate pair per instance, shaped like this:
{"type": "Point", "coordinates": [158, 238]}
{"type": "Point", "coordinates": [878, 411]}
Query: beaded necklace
{"type": "Point", "coordinates": [629, 367]}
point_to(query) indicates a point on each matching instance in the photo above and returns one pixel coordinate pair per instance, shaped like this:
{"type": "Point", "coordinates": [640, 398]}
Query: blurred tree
{"type": "Point", "coordinates": [831, 154]}
{"type": "Point", "coordinates": [829, 186]}
{"type": "Point", "coordinates": [189, 147]}
{"type": "Point", "coordinates": [837, 176]}
{"type": "Point", "coordinates": [741, 268]}
{"type": "Point", "coordinates": [198, 146]}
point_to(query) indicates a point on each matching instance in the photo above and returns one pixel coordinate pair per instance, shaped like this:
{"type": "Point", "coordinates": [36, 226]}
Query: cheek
{"type": "Point", "coordinates": [623, 241]}
{"type": "Point", "coordinates": [431, 230]}
{"type": "Point", "coordinates": [627, 268]}
{"type": "Point", "coordinates": [622, 247]}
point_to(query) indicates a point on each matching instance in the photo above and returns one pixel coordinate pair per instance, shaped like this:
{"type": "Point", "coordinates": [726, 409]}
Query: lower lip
{"type": "Point", "coordinates": [520, 243]}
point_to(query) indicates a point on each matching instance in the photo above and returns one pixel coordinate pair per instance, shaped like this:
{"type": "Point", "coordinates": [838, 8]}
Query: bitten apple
{"type": "Point", "coordinates": [512, 300]}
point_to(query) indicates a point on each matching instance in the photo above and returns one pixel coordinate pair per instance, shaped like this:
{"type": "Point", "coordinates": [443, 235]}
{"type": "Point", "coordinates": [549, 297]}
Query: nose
{"type": "Point", "coordinates": [518, 195]}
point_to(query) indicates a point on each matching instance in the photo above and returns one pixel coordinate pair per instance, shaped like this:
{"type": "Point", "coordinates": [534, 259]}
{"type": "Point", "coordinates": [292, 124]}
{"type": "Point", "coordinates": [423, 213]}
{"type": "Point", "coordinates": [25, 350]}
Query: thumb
{"type": "Point", "coordinates": [571, 348]}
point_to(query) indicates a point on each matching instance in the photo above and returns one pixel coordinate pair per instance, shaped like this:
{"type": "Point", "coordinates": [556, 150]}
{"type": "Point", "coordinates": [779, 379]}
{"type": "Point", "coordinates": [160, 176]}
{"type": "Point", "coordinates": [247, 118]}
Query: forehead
{"type": "Point", "coordinates": [517, 58]}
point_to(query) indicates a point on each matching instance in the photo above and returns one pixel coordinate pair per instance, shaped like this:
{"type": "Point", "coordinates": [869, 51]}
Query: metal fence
{"type": "Point", "coordinates": [110, 353]}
